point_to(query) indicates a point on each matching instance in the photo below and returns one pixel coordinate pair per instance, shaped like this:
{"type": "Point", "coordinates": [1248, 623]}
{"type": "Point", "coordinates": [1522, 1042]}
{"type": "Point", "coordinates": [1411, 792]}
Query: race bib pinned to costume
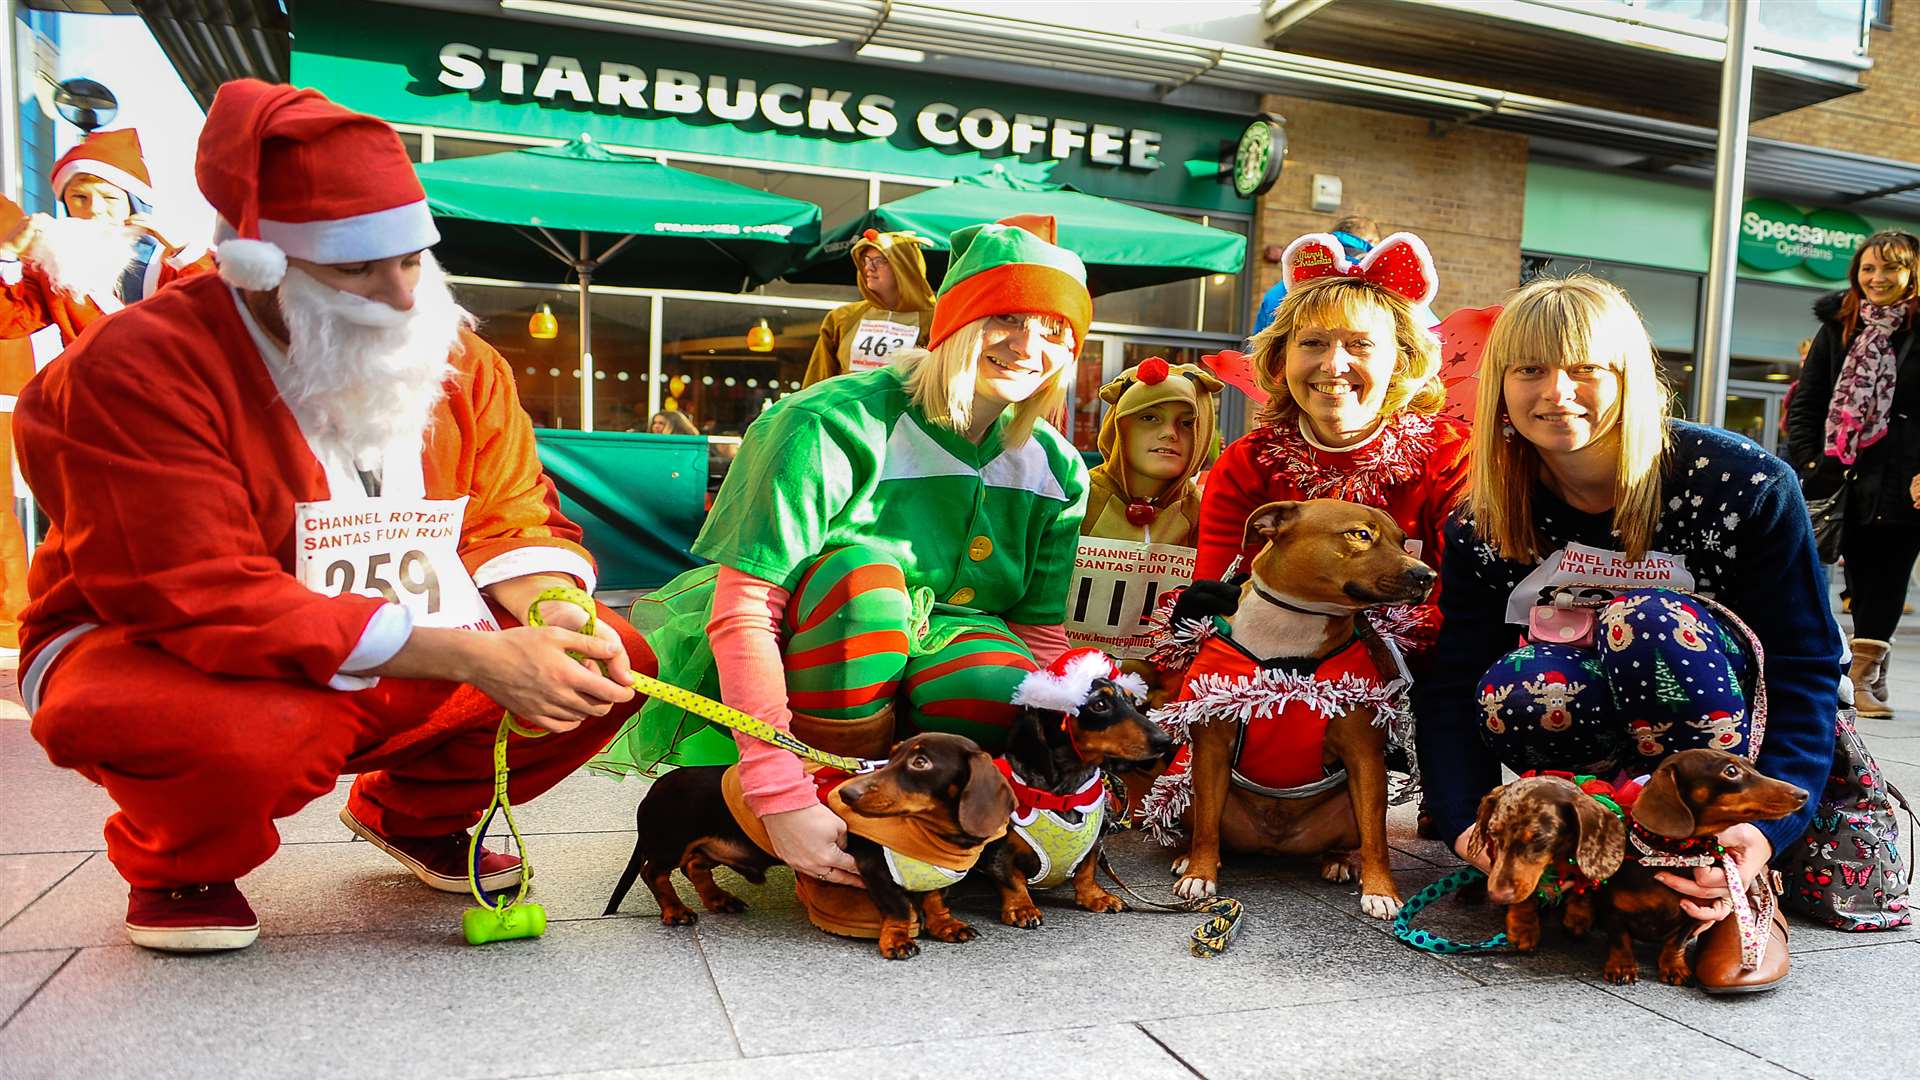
{"type": "Point", "coordinates": [404, 551]}
{"type": "Point", "coordinates": [1594, 574]}
{"type": "Point", "coordinates": [876, 342]}
{"type": "Point", "coordinates": [1116, 584]}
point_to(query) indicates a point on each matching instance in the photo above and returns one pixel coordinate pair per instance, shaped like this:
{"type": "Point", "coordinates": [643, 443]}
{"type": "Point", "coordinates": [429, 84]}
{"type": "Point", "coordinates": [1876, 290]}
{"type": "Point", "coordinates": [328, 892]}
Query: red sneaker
{"type": "Point", "coordinates": [191, 918]}
{"type": "Point", "coordinates": [440, 861]}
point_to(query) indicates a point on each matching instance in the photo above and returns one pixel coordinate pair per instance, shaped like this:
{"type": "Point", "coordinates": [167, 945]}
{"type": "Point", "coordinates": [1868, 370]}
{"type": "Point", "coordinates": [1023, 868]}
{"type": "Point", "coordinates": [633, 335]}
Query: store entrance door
{"type": "Point", "coordinates": [1755, 409]}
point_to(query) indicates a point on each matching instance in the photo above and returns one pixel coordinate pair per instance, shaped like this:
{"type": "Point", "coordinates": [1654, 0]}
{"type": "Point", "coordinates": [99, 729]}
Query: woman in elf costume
{"type": "Point", "coordinates": [1354, 386]}
{"type": "Point", "coordinates": [906, 532]}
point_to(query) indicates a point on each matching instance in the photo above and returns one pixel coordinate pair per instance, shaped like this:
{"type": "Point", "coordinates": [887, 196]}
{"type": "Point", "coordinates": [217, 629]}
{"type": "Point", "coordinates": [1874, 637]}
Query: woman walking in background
{"type": "Point", "coordinates": [1855, 420]}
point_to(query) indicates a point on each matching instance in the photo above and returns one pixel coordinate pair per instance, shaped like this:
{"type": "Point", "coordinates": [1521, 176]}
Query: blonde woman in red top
{"type": "Point", "coordinates": [1354, 389]}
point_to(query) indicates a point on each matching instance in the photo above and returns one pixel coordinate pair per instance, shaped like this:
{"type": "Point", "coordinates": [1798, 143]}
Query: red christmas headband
{"type": "Point", "coordinates": [1400, 263]}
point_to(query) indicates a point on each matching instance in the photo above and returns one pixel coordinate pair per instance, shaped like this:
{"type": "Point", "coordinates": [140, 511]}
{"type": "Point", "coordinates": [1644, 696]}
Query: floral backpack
{"type": "Point", "coordinates": [1847, 871]}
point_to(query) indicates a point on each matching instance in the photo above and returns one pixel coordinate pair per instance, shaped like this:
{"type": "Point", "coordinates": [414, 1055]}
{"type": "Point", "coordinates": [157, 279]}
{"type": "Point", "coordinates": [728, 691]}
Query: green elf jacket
{"type": "Point", "coordinates": [978, 530]}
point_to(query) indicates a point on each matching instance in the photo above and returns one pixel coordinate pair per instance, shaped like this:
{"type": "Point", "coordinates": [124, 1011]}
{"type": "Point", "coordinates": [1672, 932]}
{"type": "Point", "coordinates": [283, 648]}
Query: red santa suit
{"type": "Point", "coordinates": [1414, 468]}
{"type": "Point", "coordinates": [172, 651]}
{"type": "Point", "coordinates": [30, 300]}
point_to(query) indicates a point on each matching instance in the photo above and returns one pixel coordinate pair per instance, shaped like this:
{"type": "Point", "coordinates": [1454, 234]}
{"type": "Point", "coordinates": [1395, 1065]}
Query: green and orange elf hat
{"type": "Point", "coordinates": [1011, 267]}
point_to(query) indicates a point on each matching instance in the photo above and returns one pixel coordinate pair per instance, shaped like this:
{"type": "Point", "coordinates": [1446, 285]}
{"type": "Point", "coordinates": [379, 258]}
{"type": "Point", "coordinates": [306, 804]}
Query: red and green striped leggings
{"type": "Point", "coordinates": [850, 648]}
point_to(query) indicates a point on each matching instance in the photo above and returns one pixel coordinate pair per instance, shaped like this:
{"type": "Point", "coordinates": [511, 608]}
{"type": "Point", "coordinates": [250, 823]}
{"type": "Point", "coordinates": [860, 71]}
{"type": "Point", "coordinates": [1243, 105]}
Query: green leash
{"type": "Point", "coordinates": [1434, 943]}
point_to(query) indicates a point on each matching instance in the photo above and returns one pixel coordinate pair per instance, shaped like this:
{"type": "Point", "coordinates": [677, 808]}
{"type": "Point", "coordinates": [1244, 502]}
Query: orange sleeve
{"type": "Point", "coordinates": [154, 526]}
{"type": "Point", "coordinates": [513, 525]}
{"type": "Point", "coordinates": [23, 306]}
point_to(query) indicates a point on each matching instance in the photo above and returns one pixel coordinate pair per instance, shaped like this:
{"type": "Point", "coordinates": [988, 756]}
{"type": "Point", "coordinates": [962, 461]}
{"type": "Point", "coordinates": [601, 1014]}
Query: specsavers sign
{"type": "Point", "coordinates": [1775, 235]}
{"type": "Point", "coordinates": [525, 78]}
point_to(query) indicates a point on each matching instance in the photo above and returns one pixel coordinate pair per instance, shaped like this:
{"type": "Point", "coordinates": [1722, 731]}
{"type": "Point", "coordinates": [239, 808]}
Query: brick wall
{"type": "Point", "coordinates": [1462, 192]}
{"type": "Point", "coordinates": [1884, 118]}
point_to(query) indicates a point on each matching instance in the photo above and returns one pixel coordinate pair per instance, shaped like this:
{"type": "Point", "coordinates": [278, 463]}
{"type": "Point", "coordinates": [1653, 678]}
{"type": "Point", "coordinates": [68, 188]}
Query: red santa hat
{"type": "Point", "coordinates": [113, 156]}
{"type": "Point", "coordinates": [291, 173]}
{"type": "Point", "coordinates": [1065, 684]}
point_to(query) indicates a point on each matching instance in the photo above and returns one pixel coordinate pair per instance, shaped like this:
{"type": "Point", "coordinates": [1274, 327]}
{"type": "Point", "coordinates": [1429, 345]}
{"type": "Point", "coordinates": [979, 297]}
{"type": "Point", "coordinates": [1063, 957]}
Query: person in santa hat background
{"type": "Point", "coordinates": [108, 252]}
{"type": "Point", "coordinates": [16, 367]}
{"type": "Point", "coordinates": [292, 506]}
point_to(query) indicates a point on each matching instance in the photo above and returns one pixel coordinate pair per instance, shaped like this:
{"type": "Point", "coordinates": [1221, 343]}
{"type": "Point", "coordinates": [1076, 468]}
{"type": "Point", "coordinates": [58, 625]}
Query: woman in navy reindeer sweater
{"type": "Point", "coordinates": [1584, 488]}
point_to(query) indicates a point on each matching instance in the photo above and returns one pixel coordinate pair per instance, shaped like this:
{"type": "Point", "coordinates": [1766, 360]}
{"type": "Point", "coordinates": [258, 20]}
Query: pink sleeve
{"type": "Point", "coordinates": [745, 632]}
{"type": "Point", "coordinates": [1046, 643]}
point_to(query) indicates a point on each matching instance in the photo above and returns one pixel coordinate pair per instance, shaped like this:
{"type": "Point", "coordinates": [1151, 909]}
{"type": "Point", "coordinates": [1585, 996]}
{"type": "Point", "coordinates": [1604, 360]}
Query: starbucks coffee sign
{"type": "Point", "coordinates": [1775, 235]}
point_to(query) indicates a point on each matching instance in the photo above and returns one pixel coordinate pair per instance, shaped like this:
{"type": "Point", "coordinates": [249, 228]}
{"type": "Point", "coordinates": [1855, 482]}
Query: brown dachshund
{"type": "Point", "coordinates": [1324, 562]}
{"type": "Point", "coordinates": [1542, 823]}
{"type": "Point", "coordinates": [1691, 797]}
{"type": "Point", "coordinates": [944, 784]}
{"type": "Point", "coordinates": [1057, 755]}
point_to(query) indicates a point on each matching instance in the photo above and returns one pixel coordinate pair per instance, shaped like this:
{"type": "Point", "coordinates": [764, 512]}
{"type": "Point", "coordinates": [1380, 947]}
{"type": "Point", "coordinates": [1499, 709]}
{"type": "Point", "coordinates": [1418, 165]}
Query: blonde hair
{"type": "Point", "coordinates": [1556, 321]}
{"type": "Point", "coordinates": [1340, 301]}
{"type": "Point", "coordinates": [940, 381]}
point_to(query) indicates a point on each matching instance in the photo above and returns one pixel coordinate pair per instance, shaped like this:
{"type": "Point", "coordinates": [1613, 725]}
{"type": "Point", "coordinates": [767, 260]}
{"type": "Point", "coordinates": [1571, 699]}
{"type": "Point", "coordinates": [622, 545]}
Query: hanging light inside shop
{"type": "Point", "coordinates": [542, 326]}
{"type": "Point", "coordinates": [760, 338]}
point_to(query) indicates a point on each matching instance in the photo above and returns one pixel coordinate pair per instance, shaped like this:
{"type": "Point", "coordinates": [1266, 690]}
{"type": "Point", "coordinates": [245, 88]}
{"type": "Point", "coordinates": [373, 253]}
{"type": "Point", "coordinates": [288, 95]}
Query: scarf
{"type": "Point", "coordinates": [1863, 391]}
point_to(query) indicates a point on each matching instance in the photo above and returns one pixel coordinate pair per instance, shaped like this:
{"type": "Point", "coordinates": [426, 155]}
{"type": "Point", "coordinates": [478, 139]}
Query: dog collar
{"type": "Point", "coordinates": [1028, 798]}
{"type": "Point", "coordinates": [1302, 609]}
{"type": "Point", "coordinates": [1663, 851]}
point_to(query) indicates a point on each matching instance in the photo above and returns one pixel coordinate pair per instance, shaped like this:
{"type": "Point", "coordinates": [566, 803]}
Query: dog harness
{"type": "Point", "coordinates": [1282, 707]}
{"type": "Point", "coordinates": [1041, 819]}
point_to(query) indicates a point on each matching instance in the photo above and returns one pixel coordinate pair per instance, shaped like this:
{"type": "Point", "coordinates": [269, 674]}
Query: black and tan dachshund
{"type": "Point", "coordinates": [945, 782]}
{"type": "Point", "coordinates": [1690, 798]}
{"type": "Point", "coordinates": [1060, 754]}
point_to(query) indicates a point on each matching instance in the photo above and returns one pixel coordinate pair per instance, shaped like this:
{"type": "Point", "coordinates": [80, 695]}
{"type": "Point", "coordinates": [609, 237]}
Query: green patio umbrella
{"type": "Point", "coordinates": [671, 228]}
{"type": "Point", "coordinates": [1124, 247]}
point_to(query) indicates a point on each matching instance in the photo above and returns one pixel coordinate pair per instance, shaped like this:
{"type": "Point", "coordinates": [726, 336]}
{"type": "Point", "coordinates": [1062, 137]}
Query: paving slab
{"type": "Point", "coordinates": [356, 1005]}
{"type": "Point", "coordinates": [1114, 967]}
{"type": "Point", "coordinates": [1118, 1050]}
{"type": "Point", "coordinates": [339, 888]}
{"type": "Point", "coordinates": [22, 973]}
{"type": "Point", "coordinates": [48, 808]}
{"type": "Point", "coordinates": [23, 878]}
{"type": "Point", "coordinates": [1821, 1022]}
{"type": "Point", "coordinates": [1486, 1031]}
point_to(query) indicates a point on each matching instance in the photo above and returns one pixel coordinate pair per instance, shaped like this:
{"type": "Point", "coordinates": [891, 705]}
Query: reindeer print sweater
{"type": "Point", "coordinates": [1732, 518]}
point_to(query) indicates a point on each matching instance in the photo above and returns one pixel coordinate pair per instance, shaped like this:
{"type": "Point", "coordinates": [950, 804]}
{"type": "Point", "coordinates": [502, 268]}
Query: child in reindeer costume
{"type": "Point", "coordinates": [1143, 504]}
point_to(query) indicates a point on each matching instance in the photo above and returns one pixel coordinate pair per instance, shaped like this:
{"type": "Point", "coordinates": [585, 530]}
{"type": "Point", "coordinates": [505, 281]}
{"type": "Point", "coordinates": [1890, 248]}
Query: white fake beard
{"type": "Point", "coordinates": [82, 256]}
{"type": "Point", "coordinates": [361, 376]}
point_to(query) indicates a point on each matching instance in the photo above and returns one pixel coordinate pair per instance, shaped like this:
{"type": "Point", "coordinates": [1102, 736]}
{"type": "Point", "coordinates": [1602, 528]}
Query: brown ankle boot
{"type": "Point", "coordinates": [1868, 675]}
{"type": "Point", "coordinates": [1717, 963]}
{"type": "Point", "coordinates": [869, 737]}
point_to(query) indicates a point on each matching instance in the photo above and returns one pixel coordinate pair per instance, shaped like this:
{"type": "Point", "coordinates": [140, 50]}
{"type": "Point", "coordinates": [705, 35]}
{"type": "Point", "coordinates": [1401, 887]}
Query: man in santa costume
{"type": "Point", "coordinates": [107, 252]}
{"type": "Point", "coordinates": [292, 505]}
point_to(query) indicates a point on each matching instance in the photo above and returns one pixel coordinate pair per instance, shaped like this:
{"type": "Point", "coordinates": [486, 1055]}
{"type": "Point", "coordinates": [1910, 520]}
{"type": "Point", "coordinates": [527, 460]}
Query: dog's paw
{"type": "Point", "coordinates": [899, 948]}
{"type": "Point", "coordinates": [1194, 888]}
{"type": "Point", "coordinates": [1676, 973]}
{"type": "Point", "coordinates": [724, 904]}
{"type": "Point", "coordinates": [953, 932]}
{"type": "Point", "coordinates": [1024, 916]}
{"type": "Point", "coordinates": [1179, 866]}
{"type": "Point", "coordinates": [1338, 869]}
{"type": "Point", "coordinates": [679, 916]}
{"type": "Point", "coordinates": [1621, 974]}
{"type": "Point", "coordinates": [1100, 900]}
{"type": "Point", "coordinates": [1380, 907]}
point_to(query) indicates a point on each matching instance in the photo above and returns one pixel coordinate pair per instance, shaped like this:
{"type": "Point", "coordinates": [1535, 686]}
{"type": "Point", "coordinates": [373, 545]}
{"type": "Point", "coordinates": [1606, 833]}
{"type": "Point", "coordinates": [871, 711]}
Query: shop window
{"type": "Point", "coordinates": [446, 147]}
{"type": "Point", "coordinates": [411, 140]}
{"type": "Point", "coordinates": [841, 199]}
{"type": "Point", "coordinates": [889, 191]}
{"type": "Point", "coordinates": [712, 374]}
{"type": "Point", "coordinates": [1770, 323]}
{"type": "Point", "coordinates": [547, 372]}
{"type": "Point", "coordinates": [621, 325]}
{"type": "Point", "coordinates": [1177, 305]}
